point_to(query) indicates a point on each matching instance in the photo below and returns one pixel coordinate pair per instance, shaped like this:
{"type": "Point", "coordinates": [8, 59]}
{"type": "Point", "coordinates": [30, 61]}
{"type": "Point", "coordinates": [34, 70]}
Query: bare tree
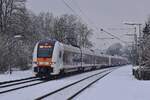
{"type": "Point", "coordinates": [66, 28]}
{"type": "Point", "coordinates": [70, 30]}
{"type": "Point", "coordinates": [115, 49]}
{"type": "Point", "coordinates": [7, 8]}
{"type": "Point", "coordinates": [83, 35]}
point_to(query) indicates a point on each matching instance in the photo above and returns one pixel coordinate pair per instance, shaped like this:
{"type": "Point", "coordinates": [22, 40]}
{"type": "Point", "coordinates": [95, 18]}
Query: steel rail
{"type": "Point", "coordinates": [21, 87]}
{"type": "Point", "coordinates": [22, 82]}
{"type": "Point", "coordinates": [69, 85]}
{"type": "Point", "coordinates": [11, 81]}
{"type": "Point", "coordinates": [71, 97]}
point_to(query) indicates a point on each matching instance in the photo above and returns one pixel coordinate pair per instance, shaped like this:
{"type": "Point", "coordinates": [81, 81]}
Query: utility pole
{"type": "Point", "coordinates": [137, 50]}
{"type": "Point", "coordinates": [10, 47]}
{"type": "Point", "coordinates": [140, 46]}
{"type": "Point", "coordinates": [135, 47]}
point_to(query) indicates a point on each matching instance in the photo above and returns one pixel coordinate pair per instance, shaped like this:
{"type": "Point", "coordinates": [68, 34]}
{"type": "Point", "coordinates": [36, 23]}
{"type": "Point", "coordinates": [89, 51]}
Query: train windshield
{"type": "Point", "coordinates": [45, 51]}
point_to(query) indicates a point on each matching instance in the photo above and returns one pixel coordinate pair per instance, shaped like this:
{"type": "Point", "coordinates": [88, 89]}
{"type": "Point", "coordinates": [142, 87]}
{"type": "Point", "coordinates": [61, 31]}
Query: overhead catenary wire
{"type": "Point", "coordinates": [67, 5]}
{"type": "Point", "coordinates": [89, 20]}
{"type": "Point", "coordinates": [114, 36]}
{"type": "Point", "coordinates": [96, 26]}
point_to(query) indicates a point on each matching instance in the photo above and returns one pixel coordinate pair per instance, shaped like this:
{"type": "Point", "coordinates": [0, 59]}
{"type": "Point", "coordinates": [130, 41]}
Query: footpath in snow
{"type": "Point", "coordinates": [118, 85]}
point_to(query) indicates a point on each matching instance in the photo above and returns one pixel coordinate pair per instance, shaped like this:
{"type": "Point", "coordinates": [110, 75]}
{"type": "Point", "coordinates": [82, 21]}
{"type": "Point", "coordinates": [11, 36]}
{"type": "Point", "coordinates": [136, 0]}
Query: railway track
{"type": "Point", "coordinates": [20, 84]}
{"type": "Point", "coordinates": [14, 85]}
{"type": "Point", "coordinates": [70, 91]}
{"type": "Point", "coordinates": [18, 80]}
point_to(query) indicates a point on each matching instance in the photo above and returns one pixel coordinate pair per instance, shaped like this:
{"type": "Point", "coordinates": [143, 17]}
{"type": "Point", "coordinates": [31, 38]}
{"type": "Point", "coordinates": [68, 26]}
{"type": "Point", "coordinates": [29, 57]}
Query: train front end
{"type": "Point", "coordinates": [42, 58]}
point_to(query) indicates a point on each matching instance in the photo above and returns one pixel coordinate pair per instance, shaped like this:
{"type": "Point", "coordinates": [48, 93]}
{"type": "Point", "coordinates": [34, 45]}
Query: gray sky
{"type": "Point", "coordinates": [107, 14]}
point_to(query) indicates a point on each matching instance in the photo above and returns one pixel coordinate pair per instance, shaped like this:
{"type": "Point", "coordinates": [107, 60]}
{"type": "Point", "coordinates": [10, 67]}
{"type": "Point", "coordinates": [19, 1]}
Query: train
{"type": "Point", "coordinates": [52, 58]}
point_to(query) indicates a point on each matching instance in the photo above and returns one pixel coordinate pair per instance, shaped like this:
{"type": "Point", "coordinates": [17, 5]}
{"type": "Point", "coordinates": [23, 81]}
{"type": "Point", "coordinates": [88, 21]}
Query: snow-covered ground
{"type": "Point", "coordinates": [118, 85]}
{"type": "Point", "coordinates": [33, 92]}
{"type": "Point", "coordinates": [16, 75]}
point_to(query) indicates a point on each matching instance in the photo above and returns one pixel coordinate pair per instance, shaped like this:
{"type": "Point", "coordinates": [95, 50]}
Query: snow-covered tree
{"type": "Point", "coordinates": [15, 19]}
{"type": "Point", "coordinates": [70, 30]}
{"type": "Point", "coordinates": [115, 49]}
{"type": "Point", "coordinates": [7, 9]}
{"type": "Point", "coordinates": [145, 45]}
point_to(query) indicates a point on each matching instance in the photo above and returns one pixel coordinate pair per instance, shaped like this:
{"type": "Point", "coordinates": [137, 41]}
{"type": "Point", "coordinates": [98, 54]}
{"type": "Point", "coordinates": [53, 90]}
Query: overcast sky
{"type": "Point", "coordinates": [107, 14]}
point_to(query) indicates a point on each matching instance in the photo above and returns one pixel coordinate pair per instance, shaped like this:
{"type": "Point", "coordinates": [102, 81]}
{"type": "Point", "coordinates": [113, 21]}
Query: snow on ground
{"type": "Point", "coordinates": [33, 92]}
{"type": "Point", "coordinates": [118, 85]}
{"type": "Point", "coordinates": [16, 75]}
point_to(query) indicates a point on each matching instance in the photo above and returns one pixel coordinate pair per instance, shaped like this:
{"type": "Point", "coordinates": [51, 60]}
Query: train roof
{"type": "Point", "coordinates": [88, 51]}
{"type": "Point", "coordinates": [78, 50]}
{"type": "Point", "coordinates": [71, 48]}
{"type": "Point", "coordinates": [51, 41]}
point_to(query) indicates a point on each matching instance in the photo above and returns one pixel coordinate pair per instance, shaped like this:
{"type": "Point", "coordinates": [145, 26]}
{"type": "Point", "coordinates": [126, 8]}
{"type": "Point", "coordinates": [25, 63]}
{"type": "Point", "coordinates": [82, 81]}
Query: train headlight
{"type": "Point", "coordinates": [34, 64]}
{"type": "Point", "coordinates": [43, 63]}
{"type": "Point", "coordinates": [46, 63]}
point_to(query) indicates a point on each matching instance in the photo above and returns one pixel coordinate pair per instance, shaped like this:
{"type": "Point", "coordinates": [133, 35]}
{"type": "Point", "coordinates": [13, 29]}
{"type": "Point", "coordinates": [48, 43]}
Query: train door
{"type": "Point", "coordinates": [57, 58]}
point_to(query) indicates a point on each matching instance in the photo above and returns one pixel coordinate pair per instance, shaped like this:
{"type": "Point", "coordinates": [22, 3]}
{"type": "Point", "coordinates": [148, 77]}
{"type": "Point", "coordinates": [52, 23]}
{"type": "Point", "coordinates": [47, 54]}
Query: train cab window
{"type": "Point", "coordinates": [45, 51]}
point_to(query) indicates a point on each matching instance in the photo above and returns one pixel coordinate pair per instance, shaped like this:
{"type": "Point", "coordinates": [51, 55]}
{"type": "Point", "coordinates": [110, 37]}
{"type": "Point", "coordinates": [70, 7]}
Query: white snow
{"type": "Point", "coordinates": [33, 92]}
{"type": "Point", "coordinates": [16, 75]}
{"type": "Point", "coordinates": [119, 85]}
{"type": "Point", "coordinates": [66, 93]}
